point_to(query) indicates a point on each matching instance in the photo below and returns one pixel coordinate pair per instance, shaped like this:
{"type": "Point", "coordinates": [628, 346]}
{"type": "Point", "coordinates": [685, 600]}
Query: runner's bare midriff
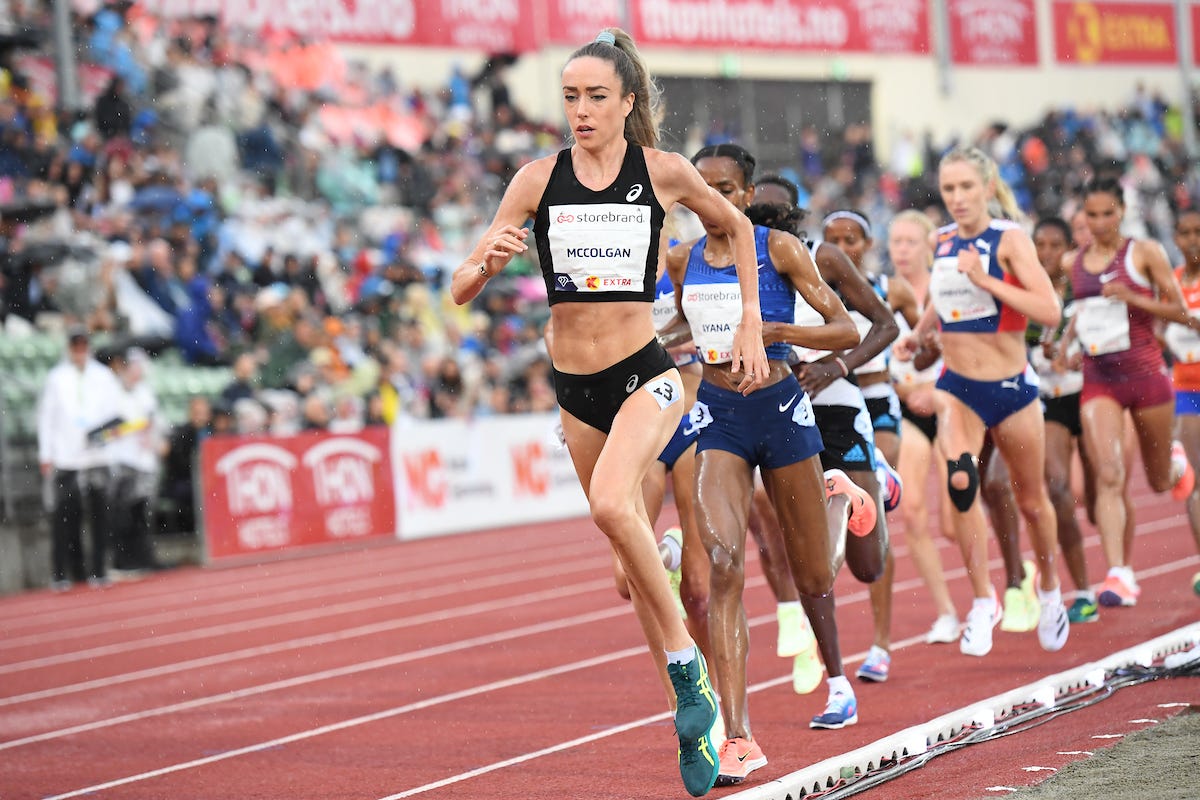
{"type": "Point", "coordinates": [589, 337]}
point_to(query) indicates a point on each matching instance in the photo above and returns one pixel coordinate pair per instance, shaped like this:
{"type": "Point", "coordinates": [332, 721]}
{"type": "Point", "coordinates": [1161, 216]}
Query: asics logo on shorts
{"type": "Point", "coordinates": [631, 384]}
{"type": "Point", "coordinates": [634, 193]}
{"type": "Point", "coordinates": [785, 406]}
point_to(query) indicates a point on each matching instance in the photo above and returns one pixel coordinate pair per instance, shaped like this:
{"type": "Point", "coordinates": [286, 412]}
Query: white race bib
{"type": "Point", "coordinates": [955, 297]}
{"type": "Point", "coordinates": [1056, 384]}
{"type": "Point", "coordinates": [1184, 342]}
{"type": "Point", "coordinates": [600, 247]}
{"type": "Point", "coordinates": [1102, 325]}
{"type": "Point", "coordinates": [713, 312]}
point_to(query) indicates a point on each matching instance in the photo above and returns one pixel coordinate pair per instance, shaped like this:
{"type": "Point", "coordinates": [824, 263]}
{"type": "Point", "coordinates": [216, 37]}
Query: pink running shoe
{"type": "Point", "coordinates": [862, 507]}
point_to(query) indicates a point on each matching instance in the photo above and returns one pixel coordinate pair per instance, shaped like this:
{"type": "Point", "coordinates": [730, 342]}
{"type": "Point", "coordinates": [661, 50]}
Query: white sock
{"type": "Point", "coordinates": [984, 602]}
{"type": "Point", "coordinates": [685, 656]}
{"type": "Point", "coordinates": [1124, 573]}
{"type": "Point", "coordinates": [839, 684]}
{"type": "Point", "coordinates": [1050, 598]}
{"type": "Point", "coordinates": [877, 651]}
{"type": "Point", "coordinates": [674, 555]}
{"type": "Point", "coordinates": [786, 604]}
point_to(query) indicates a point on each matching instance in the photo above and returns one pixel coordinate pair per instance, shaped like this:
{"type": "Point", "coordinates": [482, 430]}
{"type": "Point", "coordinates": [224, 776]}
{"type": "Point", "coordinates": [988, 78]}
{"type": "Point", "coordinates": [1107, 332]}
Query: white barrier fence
{"type": "Point", "coordinates": [454, 476]}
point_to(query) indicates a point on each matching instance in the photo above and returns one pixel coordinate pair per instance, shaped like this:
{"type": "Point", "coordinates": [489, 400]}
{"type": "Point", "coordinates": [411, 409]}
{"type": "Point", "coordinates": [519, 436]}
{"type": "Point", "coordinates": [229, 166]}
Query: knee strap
{"type": "Point", "coordinates": [962, 498]}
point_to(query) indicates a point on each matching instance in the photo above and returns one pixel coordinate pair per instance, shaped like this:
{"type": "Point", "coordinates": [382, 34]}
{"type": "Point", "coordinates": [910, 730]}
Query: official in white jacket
{"type": "Point", "coordinates": [134, 451]}
{"type": "Point", "coordinates": [78, 398]}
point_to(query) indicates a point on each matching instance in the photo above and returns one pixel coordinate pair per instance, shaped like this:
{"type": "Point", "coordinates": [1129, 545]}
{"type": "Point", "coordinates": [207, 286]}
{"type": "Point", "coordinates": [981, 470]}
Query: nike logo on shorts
{"type": "Point", "coordinates": [785, 406]}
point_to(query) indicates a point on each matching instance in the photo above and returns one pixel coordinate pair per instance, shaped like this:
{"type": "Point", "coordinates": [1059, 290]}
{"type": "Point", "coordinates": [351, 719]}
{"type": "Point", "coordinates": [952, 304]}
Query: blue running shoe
{"type": "Point", "coordinates": [1083, 610]}
{"type": "Point", "coordinates": [876, 666]}
{"type": "Point", "coordinates": [840, 711]}
{"type": "Point", "coordinates": [695, 713]}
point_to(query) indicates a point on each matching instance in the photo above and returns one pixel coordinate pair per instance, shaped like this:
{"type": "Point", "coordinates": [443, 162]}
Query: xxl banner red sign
{"type": "Point", "coordinates": [993, 32]}
{"type": "Point", "coordinates": [1101, 32]}
{"type": "Point", "coordinates": [262, 496]}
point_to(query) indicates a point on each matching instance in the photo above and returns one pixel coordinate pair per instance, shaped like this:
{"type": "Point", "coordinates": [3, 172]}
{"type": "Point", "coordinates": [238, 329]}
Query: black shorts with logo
{"type": "Point", "coordinates": [595, 399]}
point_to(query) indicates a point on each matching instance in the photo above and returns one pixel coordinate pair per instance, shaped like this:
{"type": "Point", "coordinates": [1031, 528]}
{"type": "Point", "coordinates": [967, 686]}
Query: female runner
{"type": "Point", "coordinates": [773, 430]}
{"type": "Point", "coordinates": [986, 284]}
{"type": "Point", "coordinates": [598, 209]}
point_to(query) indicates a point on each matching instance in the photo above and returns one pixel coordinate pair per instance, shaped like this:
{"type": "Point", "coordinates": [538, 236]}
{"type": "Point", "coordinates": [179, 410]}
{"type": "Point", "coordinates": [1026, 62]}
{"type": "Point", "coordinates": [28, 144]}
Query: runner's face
{"type": "Point", "coordinates": [908, 248]}
{"type": "Point", "coordinates": [1051, 245]}
{"type": "Point", "coordinates": [847, 236]}
{"type": "Point", "coordinates": [593, 103]}
{"type": "Point", "coordinates": [1187, 237]}
{"type": "Point", "coordinates": [964, 193]}
{"type": "Point", "coordinates": [1079, 229]}
{"type": "Point", "coordinates": [1104, 215]}
{"type": "Point", "coordinates": [725, 176]}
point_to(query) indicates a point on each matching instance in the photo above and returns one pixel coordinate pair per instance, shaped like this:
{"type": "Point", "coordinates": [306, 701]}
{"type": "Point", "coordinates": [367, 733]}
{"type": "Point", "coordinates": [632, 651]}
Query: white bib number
{"type": "Point", "coordinates": [1184, 342]}
{"type": "Point", "coordinates": [1102, 325]}
{"type": "Point", "coordinates": [955, 297]}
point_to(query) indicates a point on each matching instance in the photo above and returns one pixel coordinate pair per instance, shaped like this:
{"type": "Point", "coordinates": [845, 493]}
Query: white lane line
{"type": "Point", "coordinates": [296, 644]}
{"type": "Point", "coordinates": [265, 596]}
{"type": "Point", "coordinates": [1040, 769]}
{"type": "Point", "coordinates": [378, 715]}
{"type": "Point", "coordinates": [300, 615]}
{"type": "Point", "coordinates": [1075, 753]}
{"type": "Point", "coordinates": [357, 721]}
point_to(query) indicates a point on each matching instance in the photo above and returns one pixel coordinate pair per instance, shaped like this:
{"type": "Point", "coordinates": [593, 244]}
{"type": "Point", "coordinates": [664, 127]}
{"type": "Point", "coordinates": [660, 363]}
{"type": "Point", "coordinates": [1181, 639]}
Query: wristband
{"type": "Point", "coordinates": [842, 364]}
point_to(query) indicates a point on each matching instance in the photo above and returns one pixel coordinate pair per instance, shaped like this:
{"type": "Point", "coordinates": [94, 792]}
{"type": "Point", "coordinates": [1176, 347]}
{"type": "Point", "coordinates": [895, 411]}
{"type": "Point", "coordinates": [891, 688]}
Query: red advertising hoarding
{"type": "Point", "coordinates": [874, 26]}
{"type": "Point", "coordinates": [1101, 32]}
{"type": "Point", "coordinates": [576, 22]}
{"type": "Point", "coordinates": [993, 32]}
{"type": "Point", "coordinates": [263, 496]}
{"type": "Point", "coordinates": [835, 26]}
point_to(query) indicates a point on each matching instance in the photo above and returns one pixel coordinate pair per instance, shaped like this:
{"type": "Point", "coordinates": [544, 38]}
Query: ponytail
{"type": "Point", "coordinates": [617, 48]}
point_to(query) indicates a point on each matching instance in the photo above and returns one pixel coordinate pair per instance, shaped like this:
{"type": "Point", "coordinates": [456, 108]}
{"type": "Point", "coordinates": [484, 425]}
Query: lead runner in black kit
{"type": "Point", "coordinates": [598, 209]}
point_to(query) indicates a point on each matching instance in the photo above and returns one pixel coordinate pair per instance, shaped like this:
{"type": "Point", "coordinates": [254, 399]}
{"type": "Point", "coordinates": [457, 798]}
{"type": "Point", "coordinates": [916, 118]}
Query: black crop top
{"type": "Point", "coordinates": [599, 246]}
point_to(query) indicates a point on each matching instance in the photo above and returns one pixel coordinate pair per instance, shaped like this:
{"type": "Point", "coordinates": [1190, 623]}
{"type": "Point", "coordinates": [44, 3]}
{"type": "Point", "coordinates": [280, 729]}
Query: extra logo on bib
{"type": "Point", "coordinates": [601, 247]}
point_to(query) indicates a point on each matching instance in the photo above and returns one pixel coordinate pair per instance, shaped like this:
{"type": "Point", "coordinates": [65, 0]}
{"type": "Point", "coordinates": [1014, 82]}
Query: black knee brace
{"type": "Point", "coordinates": [962, 498]}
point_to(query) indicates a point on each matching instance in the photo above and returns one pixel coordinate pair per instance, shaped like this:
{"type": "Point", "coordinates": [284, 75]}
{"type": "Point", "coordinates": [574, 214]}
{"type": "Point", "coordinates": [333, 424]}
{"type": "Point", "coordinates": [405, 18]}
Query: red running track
{"type": "Point", "coordinates": [499, 664]}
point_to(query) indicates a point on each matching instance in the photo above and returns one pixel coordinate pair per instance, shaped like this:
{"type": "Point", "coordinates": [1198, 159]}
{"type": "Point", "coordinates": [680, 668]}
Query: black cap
{"type": "Point", "coordinates": [77, 334]}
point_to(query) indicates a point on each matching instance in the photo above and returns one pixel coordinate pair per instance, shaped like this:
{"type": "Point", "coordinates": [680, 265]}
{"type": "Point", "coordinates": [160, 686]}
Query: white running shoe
{"type": "Point", "coordinates": [944, 631]}
{"type": "Point", "coordinates": [1053, 626]}
{"type": "Point", "coordinates": [977, 633]}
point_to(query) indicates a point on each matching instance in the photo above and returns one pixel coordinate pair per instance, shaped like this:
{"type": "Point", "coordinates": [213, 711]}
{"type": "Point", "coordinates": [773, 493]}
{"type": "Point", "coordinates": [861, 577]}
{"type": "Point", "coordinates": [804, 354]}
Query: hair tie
{"type": "Point", "coordinates": [607, 37]}
{"type": "Point", "coordinates": [859, 219]}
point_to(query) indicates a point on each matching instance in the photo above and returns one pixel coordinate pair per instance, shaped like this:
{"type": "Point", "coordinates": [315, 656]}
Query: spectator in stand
{"type": "Point", "coordinates": [180, 454]}
{"type": "Point", "coordinates": [113, 111]}
{"type": "Point", "coordinates": [79, 397]}
{"type": "Point", "coordinates": [245, 380]}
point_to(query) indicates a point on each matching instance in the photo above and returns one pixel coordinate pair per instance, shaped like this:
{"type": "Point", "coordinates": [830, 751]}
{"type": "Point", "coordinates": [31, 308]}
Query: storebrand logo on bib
{"type": "Point", "coordinates": [634, 193]}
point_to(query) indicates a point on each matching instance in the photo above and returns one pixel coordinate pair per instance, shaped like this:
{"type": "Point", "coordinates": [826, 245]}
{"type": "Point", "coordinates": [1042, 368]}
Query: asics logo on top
{"type": "Point", "coordinates": [1108, 276]}
{"type": "Point", "coordinates": [1010, 385]}
{"type": "Point", "coordinates": [631, 384]}
{"type": "Point", "coordinates": [634, 193]}
{"type": "Point", "coordinates": [785, 406]}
